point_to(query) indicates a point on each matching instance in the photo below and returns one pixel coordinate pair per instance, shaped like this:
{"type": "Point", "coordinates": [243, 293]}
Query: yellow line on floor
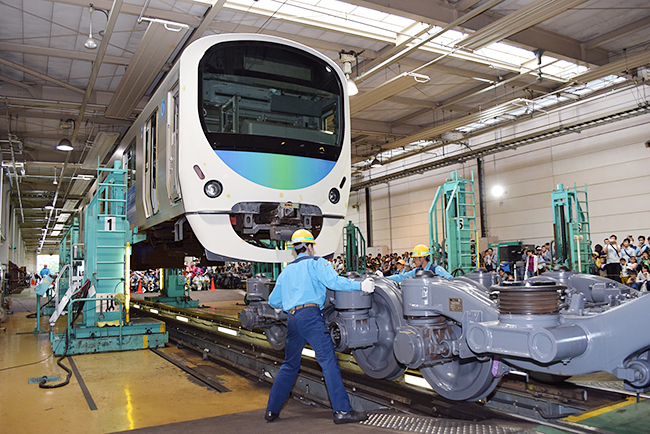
{"type": "Point", "coordinates": [601, 410]}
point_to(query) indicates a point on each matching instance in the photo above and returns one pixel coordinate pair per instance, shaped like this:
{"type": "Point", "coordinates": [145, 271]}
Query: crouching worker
{"type": "Point", "coordinates": [300, 291]}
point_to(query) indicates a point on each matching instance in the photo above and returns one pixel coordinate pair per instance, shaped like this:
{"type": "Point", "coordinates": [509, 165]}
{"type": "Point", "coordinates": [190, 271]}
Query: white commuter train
{"type": "Point", "coordinates": [246, 139]}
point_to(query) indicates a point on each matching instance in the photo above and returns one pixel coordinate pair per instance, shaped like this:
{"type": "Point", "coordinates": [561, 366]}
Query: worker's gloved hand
{"type": "Point", "coordinates": [368, 286]}
{"type": "Point", "coordinates": [278, 311]}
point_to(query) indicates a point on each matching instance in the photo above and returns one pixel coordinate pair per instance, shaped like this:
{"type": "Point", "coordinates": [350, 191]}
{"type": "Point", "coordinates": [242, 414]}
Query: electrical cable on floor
{"type": "Point", "coordinates": [27, 364]}
{"type": "Point", "coordinates": [43, 384]}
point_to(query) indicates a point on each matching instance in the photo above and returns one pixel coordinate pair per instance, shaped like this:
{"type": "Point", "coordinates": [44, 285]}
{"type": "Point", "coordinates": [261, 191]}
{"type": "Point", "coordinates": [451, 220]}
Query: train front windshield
{"type": "Point", "coordinates": [265, 97]}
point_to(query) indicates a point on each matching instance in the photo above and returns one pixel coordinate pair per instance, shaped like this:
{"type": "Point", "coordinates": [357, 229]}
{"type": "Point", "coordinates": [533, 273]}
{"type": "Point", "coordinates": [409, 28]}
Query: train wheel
{"type": "Point", "coordinates": [461, 379]}
{"type": "Point", "coordinates": [275, 336]}
{"type": "Point", "coordinates": [379, 360]}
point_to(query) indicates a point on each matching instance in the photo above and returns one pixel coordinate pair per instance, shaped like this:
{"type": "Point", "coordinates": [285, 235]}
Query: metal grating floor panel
{"type": "Point", "coordinates": [429, 425]}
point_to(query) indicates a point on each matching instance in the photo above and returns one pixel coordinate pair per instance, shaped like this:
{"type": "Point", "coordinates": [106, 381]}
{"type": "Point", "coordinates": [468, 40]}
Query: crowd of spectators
{"type": "Point", "coordinates": [628, 262]}
{"type": "Point", "coordinates": [382, 265]}
{"type": "Point", "coordinates": [230, 275]}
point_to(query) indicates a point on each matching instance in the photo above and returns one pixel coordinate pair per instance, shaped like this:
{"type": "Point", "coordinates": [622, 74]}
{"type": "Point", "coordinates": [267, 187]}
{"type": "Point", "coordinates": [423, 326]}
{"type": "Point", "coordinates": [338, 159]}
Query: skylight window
{"type": "Point", "coordinates": [335, 6]}
{"type": "Point", "coordinates": [370, 23]}
{"type": "Point", "coordinates": [330, 15]}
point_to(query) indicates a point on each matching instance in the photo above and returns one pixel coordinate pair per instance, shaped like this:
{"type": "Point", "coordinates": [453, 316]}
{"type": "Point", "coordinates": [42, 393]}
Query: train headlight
{"type": "Point", "coordinates": [213, 189]}
{"type": "Point", "coordinates": [334, 196]}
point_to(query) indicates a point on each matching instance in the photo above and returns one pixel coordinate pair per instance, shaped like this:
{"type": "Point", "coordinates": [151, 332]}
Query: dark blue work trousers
{"type": "Point", "coordinates": [307, 325]}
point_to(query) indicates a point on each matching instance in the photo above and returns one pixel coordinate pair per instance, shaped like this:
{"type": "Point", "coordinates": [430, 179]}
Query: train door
{"type": "Point", "coordinates": [150, 156]}
{"type": "Point", "coordinates": [173, 189]}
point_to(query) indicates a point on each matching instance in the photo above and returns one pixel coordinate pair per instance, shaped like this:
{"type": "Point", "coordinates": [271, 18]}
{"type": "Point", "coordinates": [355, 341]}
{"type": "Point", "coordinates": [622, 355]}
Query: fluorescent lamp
{"type": "Point", "coordinates": [417, 381]}
{"type": "Point", "coordinates": [227, 331]}
{"type": "Point", "coordinates": [153, 310]}
{"type": "Point", "coordinates": [136, 306]}
{"type": "Point", "coordinates": [182, 318]}
{"type": "Point", "coordinates": [309, 353]}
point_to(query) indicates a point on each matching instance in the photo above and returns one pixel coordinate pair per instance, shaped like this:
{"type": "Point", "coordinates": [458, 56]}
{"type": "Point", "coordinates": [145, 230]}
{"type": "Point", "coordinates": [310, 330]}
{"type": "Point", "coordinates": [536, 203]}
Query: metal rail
{"type": "Point", "coordinates": [223, 341]}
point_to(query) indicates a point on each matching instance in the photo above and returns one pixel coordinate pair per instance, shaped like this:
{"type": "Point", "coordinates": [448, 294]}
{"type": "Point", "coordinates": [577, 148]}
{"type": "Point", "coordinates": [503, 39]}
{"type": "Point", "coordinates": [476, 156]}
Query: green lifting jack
{"type": "Point", "coordinates": [354, 246]}
{"type": "Point", "coordinates": [106, 324]}
{"type": "Point", "coordinates": [571, 228]}
{"type": "Point", "coordinates": [458, 221]}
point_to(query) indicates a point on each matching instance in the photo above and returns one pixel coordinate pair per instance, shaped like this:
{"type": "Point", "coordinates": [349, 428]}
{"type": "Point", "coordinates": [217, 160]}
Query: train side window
{"type": "Point", "coordinates": [173, 189]}
{"type": "Point", "coordinates": [150, 162]}
{"type": "Point", "coordinates": [129, 164]}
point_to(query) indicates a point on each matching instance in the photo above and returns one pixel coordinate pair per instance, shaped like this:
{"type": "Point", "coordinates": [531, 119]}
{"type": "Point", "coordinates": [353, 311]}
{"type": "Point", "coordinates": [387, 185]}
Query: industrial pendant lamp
{"type": "Point", "coordinates": [64, 145]}
{"type": "Point", "coordinates": [90, 42]}
{"type": "Point", "coordinates": [347, 57]}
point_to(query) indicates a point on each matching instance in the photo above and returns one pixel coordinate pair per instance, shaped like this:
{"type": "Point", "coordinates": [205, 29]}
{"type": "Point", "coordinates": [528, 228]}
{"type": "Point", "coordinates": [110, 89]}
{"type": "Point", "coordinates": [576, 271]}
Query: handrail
{"type": "Point", "coordinates": [433, 227]}
{"type": "Point", "coordinates": [92, 299]}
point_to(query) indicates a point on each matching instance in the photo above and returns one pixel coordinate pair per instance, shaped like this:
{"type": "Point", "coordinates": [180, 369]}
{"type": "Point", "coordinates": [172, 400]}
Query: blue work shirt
{"type": "Point", "coordinates": [306, 281]}
{"type": "Point", "coordinates": [44, 272]}
{"type": "Point", "coordinates": [436, 269]}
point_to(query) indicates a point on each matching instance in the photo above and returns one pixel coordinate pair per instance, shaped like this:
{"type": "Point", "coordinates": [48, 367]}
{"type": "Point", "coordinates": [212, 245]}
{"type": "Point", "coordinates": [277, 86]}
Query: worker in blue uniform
{"type": "Point", "coordinates": [45, 271]}
{"type": "Point", "coordinates": [420, 255]}
{"type": "Point", "coordinates": [300, 291]}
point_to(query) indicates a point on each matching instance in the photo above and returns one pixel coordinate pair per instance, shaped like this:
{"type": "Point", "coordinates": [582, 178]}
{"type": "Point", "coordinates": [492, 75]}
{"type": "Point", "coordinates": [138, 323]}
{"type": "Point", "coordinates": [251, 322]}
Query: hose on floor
{"type": "Point", "coordinates": [43, 384]}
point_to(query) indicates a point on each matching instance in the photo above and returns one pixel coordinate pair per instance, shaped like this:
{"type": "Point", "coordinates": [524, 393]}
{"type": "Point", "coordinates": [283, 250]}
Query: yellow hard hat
{"type": "Point", "coordinates": [420, 251]}
{"type": "Point", "coordinates": [302, 236]}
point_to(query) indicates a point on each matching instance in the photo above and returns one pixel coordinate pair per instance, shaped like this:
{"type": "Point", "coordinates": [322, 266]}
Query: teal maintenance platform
{"type": "Point", "coordinates": [140, 333]}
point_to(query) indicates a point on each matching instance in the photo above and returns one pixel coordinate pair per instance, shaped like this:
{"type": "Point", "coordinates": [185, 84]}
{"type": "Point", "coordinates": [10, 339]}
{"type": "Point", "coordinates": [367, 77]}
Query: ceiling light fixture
{"type": "Point", "coordinates": [64, 145]}
{"type": "Point", "coordinates": [347, 57]}
{"type": "Point", "coordinates": [90, 42]}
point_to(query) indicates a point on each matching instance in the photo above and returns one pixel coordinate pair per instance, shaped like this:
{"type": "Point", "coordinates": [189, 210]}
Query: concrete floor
{"type": "Point", "coordinates": [133, 390]}
{"type": "Point", "coordinates": [139, 390]}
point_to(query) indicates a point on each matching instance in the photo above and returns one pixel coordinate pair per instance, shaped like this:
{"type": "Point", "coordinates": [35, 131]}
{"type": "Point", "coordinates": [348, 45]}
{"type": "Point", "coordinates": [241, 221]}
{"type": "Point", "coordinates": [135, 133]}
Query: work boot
{"type": "Point", "coordinates": [270, 416]}
{"type": "Point", "coordinates": [349, 416]}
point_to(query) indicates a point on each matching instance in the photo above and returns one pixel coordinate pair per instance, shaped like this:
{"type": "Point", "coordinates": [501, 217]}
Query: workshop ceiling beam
{"type": "Point", "coordinates": [319, 44]}
{"type": "Point", "coordinates": [40, 114]}
{"type": "Point", "coordinates": [618, 33]}
{"type": "Point", "coordinates": [40, 75]}
{"type": "Point", "coordinates": [533, 38]}
{"type": "Point", "coordinates": [60, 53]}
{"type": "Point", "coordinates": [515, 22]}
{"type": "Point", "coordinates": [136, 10]}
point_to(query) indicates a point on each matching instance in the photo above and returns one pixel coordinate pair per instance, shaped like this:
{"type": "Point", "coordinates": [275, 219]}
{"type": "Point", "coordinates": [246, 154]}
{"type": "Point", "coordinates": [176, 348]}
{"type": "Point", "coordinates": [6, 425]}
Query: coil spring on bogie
{"type": "Point", "coordinates": [529, 298]}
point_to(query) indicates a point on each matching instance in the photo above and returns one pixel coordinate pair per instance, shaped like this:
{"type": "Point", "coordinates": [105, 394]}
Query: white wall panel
{"type": "Point", "coordinates": [611, 159]}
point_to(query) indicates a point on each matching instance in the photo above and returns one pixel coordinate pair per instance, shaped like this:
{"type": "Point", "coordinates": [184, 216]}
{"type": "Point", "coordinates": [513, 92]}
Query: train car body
{"type": "Point", "coordinates": [246, 140]}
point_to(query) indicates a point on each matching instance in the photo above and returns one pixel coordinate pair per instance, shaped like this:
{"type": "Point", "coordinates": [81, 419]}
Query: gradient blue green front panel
{"type": "Point", "coordinates": [282, 172]}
